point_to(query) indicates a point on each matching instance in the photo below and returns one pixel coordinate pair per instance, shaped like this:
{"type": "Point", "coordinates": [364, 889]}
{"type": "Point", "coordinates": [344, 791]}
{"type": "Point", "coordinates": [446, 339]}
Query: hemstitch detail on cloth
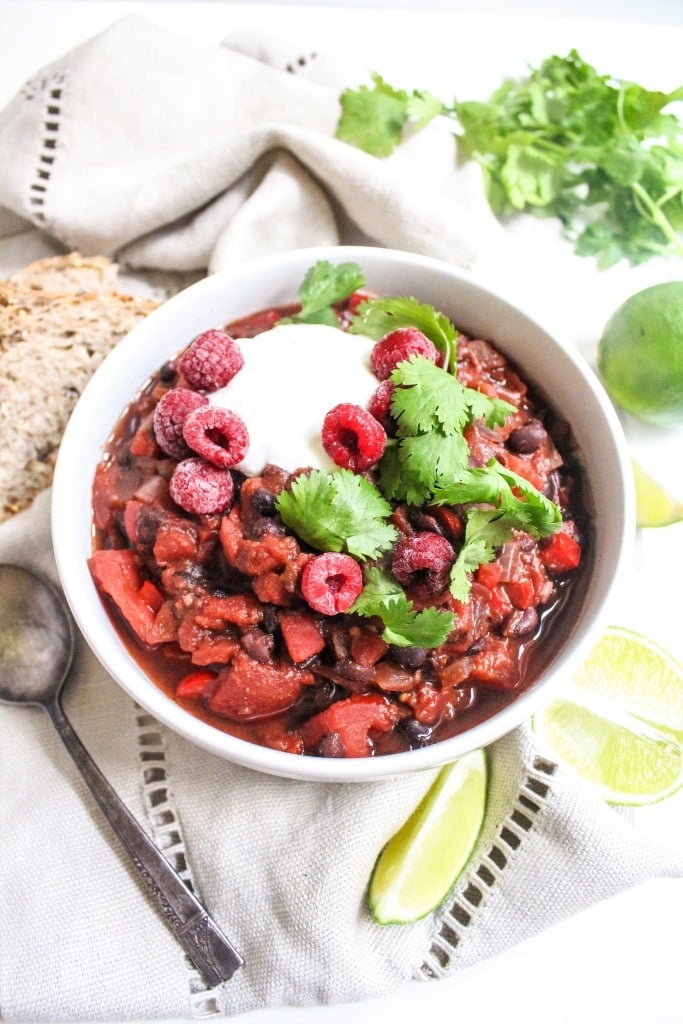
{"type": "Point", "coordinates": [469, 897]}
{"type": "Point", "coordinates": [167, 834]}
{"type": "Point", "coordinates": [50, 92]}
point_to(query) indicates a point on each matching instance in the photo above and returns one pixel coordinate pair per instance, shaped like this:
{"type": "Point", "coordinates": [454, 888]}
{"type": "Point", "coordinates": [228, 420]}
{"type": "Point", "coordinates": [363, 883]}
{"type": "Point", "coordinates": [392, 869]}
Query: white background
{"type": "Point", "coordinates": [620, 961]}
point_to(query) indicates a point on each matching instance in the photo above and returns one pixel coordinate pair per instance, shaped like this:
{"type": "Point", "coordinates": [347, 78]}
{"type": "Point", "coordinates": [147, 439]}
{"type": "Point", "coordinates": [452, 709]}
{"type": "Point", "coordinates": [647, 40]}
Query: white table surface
{"type": "Point", "coordinates": [619, 961]}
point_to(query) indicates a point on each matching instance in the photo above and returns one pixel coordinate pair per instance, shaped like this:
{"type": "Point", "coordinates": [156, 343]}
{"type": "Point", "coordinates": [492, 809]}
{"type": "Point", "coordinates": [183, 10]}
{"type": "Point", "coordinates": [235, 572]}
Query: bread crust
{"type": "Point", "coordinates": [59, 318]}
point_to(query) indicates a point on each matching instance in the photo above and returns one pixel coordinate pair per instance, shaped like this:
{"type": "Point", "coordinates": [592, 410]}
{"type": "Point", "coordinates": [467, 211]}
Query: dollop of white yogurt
{"type": "Point", "coordinates": [292, 376]}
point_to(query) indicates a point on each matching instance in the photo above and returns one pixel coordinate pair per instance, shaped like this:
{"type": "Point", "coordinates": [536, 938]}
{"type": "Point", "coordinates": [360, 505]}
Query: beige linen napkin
{"type": "Point", "coordinates": [171, 154]}
{"type": "Point", "coordinates": [178, 155]}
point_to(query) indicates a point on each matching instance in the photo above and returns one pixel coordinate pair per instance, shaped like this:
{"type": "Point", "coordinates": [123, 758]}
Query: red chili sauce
{"type": "Point", "coordinates": [211, 606]}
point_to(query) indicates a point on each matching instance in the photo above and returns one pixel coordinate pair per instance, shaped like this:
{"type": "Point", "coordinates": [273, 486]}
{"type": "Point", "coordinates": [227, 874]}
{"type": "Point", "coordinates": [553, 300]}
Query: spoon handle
{"type": "Point", "coordinates": [211, 953]}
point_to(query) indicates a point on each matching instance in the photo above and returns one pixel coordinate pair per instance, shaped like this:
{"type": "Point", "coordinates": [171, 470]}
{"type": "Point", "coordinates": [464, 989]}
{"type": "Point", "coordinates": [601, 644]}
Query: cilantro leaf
{"type": "Point", "coordinates": [403, 626]}
{"type": "Point", "coordinates": [339, 511]}
{"type": "Point", "coordinates": [374, 118]}
{"type": "Point", "coordinates": [323, 285]}
{"type": "Point", "coordinates": [509, 493]}
{"type": "Point", "coordinates": [439, 400]}
{"type": "Point", "coordinates": [485, 531]}
{"type": "Point", "coordinates": [378, 317]}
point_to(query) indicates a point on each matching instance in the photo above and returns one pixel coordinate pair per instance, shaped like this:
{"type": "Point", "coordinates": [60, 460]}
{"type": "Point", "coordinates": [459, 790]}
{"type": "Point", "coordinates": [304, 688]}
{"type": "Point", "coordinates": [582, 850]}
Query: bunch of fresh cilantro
{"type": "Point", "coordinates": [599, 153]}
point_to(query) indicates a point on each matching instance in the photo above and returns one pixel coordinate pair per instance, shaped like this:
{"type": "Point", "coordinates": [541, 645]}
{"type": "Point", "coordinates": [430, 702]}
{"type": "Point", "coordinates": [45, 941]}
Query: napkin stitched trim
{"type": "Point", "coordinates": [52, 89]}
{"type": "Point", "coordinates": [162, 816]}
{"type": "Point", "coordinates": [470, 894]}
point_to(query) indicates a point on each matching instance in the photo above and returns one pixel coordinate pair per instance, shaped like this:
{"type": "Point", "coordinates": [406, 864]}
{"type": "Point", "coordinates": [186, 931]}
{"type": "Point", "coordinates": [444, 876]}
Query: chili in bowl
{"type": "Point", "coordinates": [354, 519]}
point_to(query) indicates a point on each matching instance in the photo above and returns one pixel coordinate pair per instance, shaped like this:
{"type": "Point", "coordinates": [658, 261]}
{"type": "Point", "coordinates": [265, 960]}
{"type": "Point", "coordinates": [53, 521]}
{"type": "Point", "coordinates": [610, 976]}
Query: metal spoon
{"type": "Point", "coordinates": [36, 650]}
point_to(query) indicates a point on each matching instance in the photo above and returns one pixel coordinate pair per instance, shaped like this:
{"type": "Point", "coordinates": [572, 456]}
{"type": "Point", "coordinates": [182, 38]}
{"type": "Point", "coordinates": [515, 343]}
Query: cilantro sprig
{"type": "Point", "coordinates": [515, 504]}
{"type": "Point", "coordinates": [600, 153]}
{"type": "Point", "coordinates": [325, 284]}
{"type": "Point", "coordinates": [431, 409]}
{"type": "Point", "coordinates": [377, 317]}
{"type": "Point", "coordinates": [383, 597]}
{"type": "Point", "coordinates": [339, 511]}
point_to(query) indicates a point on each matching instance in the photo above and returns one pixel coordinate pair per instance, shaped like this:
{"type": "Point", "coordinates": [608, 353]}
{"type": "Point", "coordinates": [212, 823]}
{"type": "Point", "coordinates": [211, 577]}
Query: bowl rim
{"type": "Point", "coordinates": [92, 619]}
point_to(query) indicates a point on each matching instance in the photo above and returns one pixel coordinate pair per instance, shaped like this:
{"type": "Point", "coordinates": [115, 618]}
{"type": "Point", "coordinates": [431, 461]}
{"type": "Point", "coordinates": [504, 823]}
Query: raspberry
{"type": "Point", "coordinates": [331, 582]}
{"type": "Point", "coordinates": [169, 416]}
{"type": "Point", "coordinates": [393, 348]}
{"type": "Point", "coordinates": [217, 434]}
{"type": "Point", "coordinates": [211, 361]}
{"type": "Point", "coordinates": [352, 437]}
{"type": "Point", "coordinates": [201, 488]}
{"type": "Point", "coordinates": [379, 405]}
{"type": "Point", "coordinates": [422, 562]}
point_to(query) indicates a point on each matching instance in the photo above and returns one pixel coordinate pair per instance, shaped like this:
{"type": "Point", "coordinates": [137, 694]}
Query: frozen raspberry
{"type": "Point", "coordinates": [393, 348]}
{"type": "Point", "coordinates": [169, 416]}
{"type": "Point", "coordinates": [201, 488]}
{"type": "Point", "coordinates": [216, 434]}
{"type": "Point", "coordinates": [211, 361]}
{"type": "Point", "coordinates": [352, 437]}
{"type": "Point", "coordinates": [331, 582]}
{"type": "Point", "coordinates": [379, 406]}
{"type": "Point", "coordinates": [422, 562]}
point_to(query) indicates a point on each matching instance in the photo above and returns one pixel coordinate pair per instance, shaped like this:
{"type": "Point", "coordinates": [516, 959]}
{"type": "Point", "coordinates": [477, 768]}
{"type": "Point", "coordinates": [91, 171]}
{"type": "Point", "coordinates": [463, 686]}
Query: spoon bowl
{"type": "Point", "coordinates": [36, 638]}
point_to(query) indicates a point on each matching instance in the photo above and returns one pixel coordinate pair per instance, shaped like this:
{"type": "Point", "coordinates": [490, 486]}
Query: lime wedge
{"type": "Point", "coordinates": [619, 724]}
{"type": "Point", "coordinates": [654, 505]}
{"type": "Point", "coordinates": [420, 864]}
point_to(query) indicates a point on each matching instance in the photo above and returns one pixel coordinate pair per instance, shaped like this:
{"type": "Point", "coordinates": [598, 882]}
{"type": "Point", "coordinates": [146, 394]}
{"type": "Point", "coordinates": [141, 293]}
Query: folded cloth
{"type": "Point", "coordinates": [196, 157]}
{"type": "Point", "coordinates": [281, 865]}
{"type": "Point", "coordinates": [178, 155]}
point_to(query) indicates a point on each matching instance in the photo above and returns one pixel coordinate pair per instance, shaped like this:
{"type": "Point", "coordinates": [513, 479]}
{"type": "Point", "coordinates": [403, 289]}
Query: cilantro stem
{"type": "Point", "coordinates": [654, 211]}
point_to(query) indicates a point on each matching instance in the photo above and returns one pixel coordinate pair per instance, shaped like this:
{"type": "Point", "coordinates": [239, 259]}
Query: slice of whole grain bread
{"type": "Point", "coordinates": [59, 318]}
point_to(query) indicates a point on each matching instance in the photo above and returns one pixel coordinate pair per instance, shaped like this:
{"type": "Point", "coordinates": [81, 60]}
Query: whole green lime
{"type": "Point", "coordinates": [640, 354]}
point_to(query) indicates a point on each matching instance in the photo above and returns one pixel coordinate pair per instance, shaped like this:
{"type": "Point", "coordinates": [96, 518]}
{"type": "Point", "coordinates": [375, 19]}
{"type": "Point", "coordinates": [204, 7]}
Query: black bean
{"type": "Point", "coordinates": [349, 669]}
{"type": "Point", "coordinates": [407, 657]}
{"type": "Point", "coordinates": [257, 644]}
{"type": "Point", "coordinates": [167, 373]}
{"type": "Point", "coordinates": [418, 733]}
{"type": "Point", "coordinates": [263, 501]}
{"type": "Point", "coordinates": [520, 622]}
{"type": "Point", "coordinates": [271, 622]}
{"type": "Point", "coordinates": [264, 525]}
{"type": "Point", "coordinates": [528, 438]}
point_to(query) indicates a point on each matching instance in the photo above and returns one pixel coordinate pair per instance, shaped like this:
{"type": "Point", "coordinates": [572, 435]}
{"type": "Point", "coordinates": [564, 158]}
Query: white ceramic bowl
{"type": "Point", "coordinates": [557, 371]}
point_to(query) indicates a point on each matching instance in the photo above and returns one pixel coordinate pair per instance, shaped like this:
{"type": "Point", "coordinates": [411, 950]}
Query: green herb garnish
{"type": "Point", "coordinates": [339, 511]}
{"type": "Point", "coordinates": [599, 153]}
{"type": "Point", "coordinates": [377, 317]}
{"type": "Point", "coordinates": [383, 597]}
{"type": "Point", "coordinates": [432, 409]}
{"type": "Point", "coordinates": [323, 286]}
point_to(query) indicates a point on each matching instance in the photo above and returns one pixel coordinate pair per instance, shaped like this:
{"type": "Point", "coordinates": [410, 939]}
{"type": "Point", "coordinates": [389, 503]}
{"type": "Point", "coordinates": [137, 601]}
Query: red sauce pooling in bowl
{"type": "Point", "coordinates": [211, 604]}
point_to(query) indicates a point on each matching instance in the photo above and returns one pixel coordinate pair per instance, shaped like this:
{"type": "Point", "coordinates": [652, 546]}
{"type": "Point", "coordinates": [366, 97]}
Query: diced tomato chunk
{"type": "Point", "coordinates": [352, 720]}
{"type": "Point", "coordinates": [497, 664]}
{"type": "Point", "coordinates": [248, 689]}
{"type": "Point", "coordinates": [561, 553]}
{"type": "Point", "coordinates": [367, 647]}
{"type": "Point", "coordinates": [195, 685]}
{"type": "Point", "coordinates": [489, 574]}
{"type": "Point", "coordinates": [116, 574]}
{"type": "Point", "coordinates": [302, 637]}
{"type": "Point", "coordinates": [176, 541]}
{"type": "Point", "coordinates": [521, 593]}
{"type": "Point", "coordinates": [238, 609]}
{"type": "Point", "coordinates": [151, 596]}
